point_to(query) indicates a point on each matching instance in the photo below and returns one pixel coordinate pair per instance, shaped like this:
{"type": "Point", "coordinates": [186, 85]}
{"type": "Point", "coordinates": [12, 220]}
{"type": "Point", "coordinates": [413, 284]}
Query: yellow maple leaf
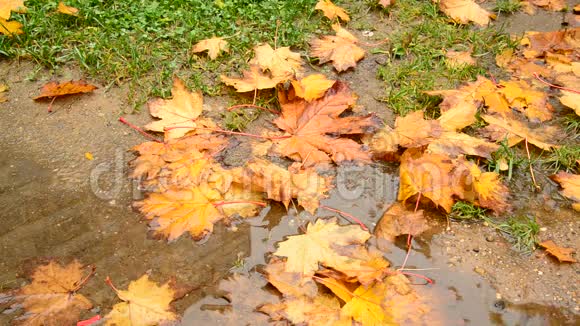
{"type": "Point", "coordinates": [281, 62]}
{"type": "Point", "coordinates": [322, 310]}
{"type": "Point", "coordinates": [145, 303]}
{"type": "Point", "coordinates": [484, 189]}
{"type": "Point", "coordinates": [366, 306]}
{"type": "Point", "coordinates": [571, 100]}
{"type": "Point", "coordinates": [253, 79]}
{"type": "Point", "coordinates": [340, 49]}
{"type": "Point", "coordinates": [51, 298]}
{"type": "Point", "coordinates": [3, 88]}
{"type": "Point", "coordinates": [331, 11]}
{"type": "Point", "coordinates": [522, 97]}
{"type": "Point", "coordinates": [7, 6]}
{"type": "Point", "coordinates": [180, 114]}
{"type": "Point", "coordinates": [10, 28]}
{"type": "Point", "coordinates": [319, 245]}
{"type": "Point", "coordinates": [214, 46]}
{"type": "Point", "coordinates": [539, 136]}
{"type": "Point", "coordinates": [290, 284]}
{"type": "Point", "coordinates": [465, 11]}
{"type": "Point", "coordinates": [455, 144]}
{"type": "Point", "coordinates": [457, 59]}
{"type": "Point", "coordinates": [570, 185]}
{"type": "Point", "coordinates": [67, 10]}
{"type": "Point", "coordinates": [312, 87]}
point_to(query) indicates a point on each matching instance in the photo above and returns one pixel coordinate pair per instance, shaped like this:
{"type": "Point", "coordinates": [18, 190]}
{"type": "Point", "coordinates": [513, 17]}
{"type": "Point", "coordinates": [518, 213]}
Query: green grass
{"type": "Point", "coordinates": [507, 6]}
{"type": "Point", "coordinates": [146, 42]}
{"type": "Point", "coordinates": [564, 158]}
{"type": "Point", "coordinates": [505, 159]}
{"type": "Point", "coordinates": [572, 124]}
{"type": "Point", "coordinates": [416, 58]}
{"type": "Point", "coordinates": [465, 211]}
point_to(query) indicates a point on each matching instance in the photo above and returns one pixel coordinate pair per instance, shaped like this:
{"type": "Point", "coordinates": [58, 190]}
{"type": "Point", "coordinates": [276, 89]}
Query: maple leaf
{"type": "Point", "coordinates": [456, 59]}
{"type": "Point", "coordinates": [51, 298]}
{"type": "Point", "coordinates": [7, 6]}
{"type": "Point", "coordinates": [214, 46]}
{"type": "Point", "coordinates": [309, 124]}
{"type": "Point", "coordinates": [10, 28]}
{"type": "Point", "coordinates": [397, 220]}
{"type": "Point", "coordinates": [455, 144]}
{"type": "Point", "coordinates": [312, 87]}
{"type": "Point", "coordinates": [538, 43]}
{"type": "Point", "coordinates": [366, 306]}
{"type": "Point", "coordinates": [290, 284]}
{"type": "Point", "coordinates": [519, 128]}
{"type": "Point", "coordinates": [561, 253]}
{"type": "Point", "coordinates": [386, 3]}
{"type": "Point", "coordinates": [318, 245]}
{"type": "Point", "coordinates": [180, 114]}
{"type": "Point", "coordinates": [282, 62]}
{"type": "Point", "coordinates": [318, 311]}
{"type": "Point", "coordinates": [484, 189]}
{"type": "Point", "coordinates": [331, 11]}
{"type": "Point", "coordinates": [3, 88]}
{"type": "Point", "coordinates": [571, 100]}
{"type": "Point", "coordinates": [465, 11]}
{"type": "Point", "coordinates": [521, 96]}
{"type": "Point", "coordinates": [570, 186]}
{"type": "Point", "coordinates": [56, 89]}
{"type": "Point", "coordinates": [554, 5]}
{"type": "Point", "coordinates": [144, 303]}
{"type": "Point", "coordinates": [67, 10]}
{"type": "Point", "coordinates": [413, 130]}
{"type": "Point", "coordinates": [253, 79]}
{"type": "Point", "coordinates": [340, 49]}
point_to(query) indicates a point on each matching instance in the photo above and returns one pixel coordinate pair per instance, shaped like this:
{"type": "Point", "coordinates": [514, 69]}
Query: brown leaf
{"type": "Point", "coordinates": [564, 255]}
{"type": "Point", "coordinates": [570, 184]}
{"type": "Point", "coordinates": [340, 49]}
{"type": "Point", "coordinates": [554, 5]}
{"type": "Point", "coordinates": [56, 89]}
{"type": "Point", "coordinates": [413, 130]}
{"type": "Point", "coordinates": [214, 47]}
{"type": "Point", "coordinates": [281, 62]}
{"type": "Point", "coordinates": [3, 88]}
{"type": "Point", "coordinates": [309, 124]}
{"type": "Point", "coordinates": [7, 6]}
{"type": "Point", "coordinates": [386, 3]}
{"type": "Point", "coordinates": [539, 136]}
{"type": "Point", "coordinates": [331, 11]}
{"type": "Point", "coordinates": [290, 284]}
{"type": "Point", "coordinates": [253, 79]}
{"type": "Point", "coordinates": [397, 220]}
{"type": "Point", "coordinates": [538, 43]}
{"type": "Point", "coordinates": [465, 11]}
{"type": "Point", "coordinates": [522, 97]}
{"type": "Point", "coordinates": [455, 144]}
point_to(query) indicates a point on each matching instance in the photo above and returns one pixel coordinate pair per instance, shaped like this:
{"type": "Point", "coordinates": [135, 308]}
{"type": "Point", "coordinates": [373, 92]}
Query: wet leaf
{"type": "Point", "coordinates": [536, 44]}
{"type": "Point", "coordinates": [366, 306]}
{"type": "Point", "coordinates": [484, 189]}
{"type": "Point", "coordinates": [7, 6]}
{"type": "Point", "coordinates": [322, 310]}
{"type": "Point", "coordinates": [522, 97]}
{"type": "Point", "coordinates": [3, 89]}
{"type": "Point", "coordinates": [571, 100]}
{"type": "Point", "coordinates": [340, 49]}
{"type": "Point", "coordinates": [570, 185]}
{"type": "Point", "coordinates": [51, 298]}
{"type": "Point", "coordinates": [465, 11]}
{"type": "Point", "coordinates": [564, 255]}
{"type": "Point", "coordinates": [10, 28]}
{"type": "Point", "coordinates": [457, 59]}
{"type": "Point", "coordinates": [67, 10]}
{"type": "Point", "coordinates": [397, 220]}
{"type": "Point", "coordinates": [312, 87]}
{"type": "Point", "coordinates": [282, 63]}
{"type": "Point", "coordinates": [144, 303]}
{"type": "Point", "coordinates": [553, 5]}
{"type": "Point", "coordinates": [290, 284]}
{"type": "Point", "coordinates": [214, 47]}
{"type": "Point", "coordinates": [539, 136]}
{"type": "Point", "coordinates": [332, 11]}
{"type": "Point", "coordinates": [89, 156]}
{"type": "Point", "coordinates": [314, 129]}
{"type": "Point", "coordinates": [178, 115]}
{"type": "Point", "coordinates": [56, 89]}
{"type": "Point", "coordinates": [455, 144]}
{"type": "Point", "coordinates": [252, 80]}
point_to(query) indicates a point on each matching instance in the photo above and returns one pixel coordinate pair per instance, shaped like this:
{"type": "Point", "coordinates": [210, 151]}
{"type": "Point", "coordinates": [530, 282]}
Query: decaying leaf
{"type": "Point", "coordinates": [536, 44]}
{"type": "Point", "coordinates": [56, 89]}
{"type": "Point", "coordinates": [144, 303]}
{"type": "Point", "coordinates": [522, 97]}
{"type": "Point", "coordinates": [540, 136]}
{"type": "Point", "coordinates": [67, 10]}
{"type": "Point", "coordinates": [331, 11]}
{"type": "Point", "coordinates": [282, 62]}
{"type": "Point", "coordinates": [290, 284]}
{"type": "Point", "coordinates": [465, 11]}
{"type": "Point", "coordinates": [564, 255]}
{"type": "Point", "coordinates": [178, 115]}
{"type": "Point", "coordinates": [10, 28]}
{"type": "Point", "coordinates": [456, 59]}
{"type": "Point", "coordinates": [7, 6]}
{"type": "Point", "coordinates": [51, 298]}
{"type": "Point", "coordinates": [309, 124]}
{"type": "Point", "coordinates": [554, 5]}
{"type": "Point", "coordinates": [397, 220]}
{"type": "Point", "coordinates": [253, 79]}
{"type": "Point", "coordinates": [214, 47]}
{"type": "Point", "coordinates": [312, 87]}
{"type": "Point", "coordinates": [340, 49]}
{"type": "Point", "coordinates": [455, 144]}
{"type": "Point", "coordinates": [571, 100]}
{"type": "Point", "coordinates": [570, 186]}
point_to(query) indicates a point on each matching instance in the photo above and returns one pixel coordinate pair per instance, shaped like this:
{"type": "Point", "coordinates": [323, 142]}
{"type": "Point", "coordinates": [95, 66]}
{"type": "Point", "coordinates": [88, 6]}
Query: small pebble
{"type": "Point", "coordinates": [479, 270]}
{"type": "Point", "coordinates": [490, 238]}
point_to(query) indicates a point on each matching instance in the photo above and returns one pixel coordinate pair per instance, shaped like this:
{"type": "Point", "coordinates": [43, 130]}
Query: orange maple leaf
{"type": "Point", "coordinates": [522, 97]}
{"type": "Point", "coordinates": [214, 46]}
{"type": "Point", "coordinates": [67, 10]}
{"type": "Point", "coordinates": [312, 87]}
{"type": "Point", "coordinates": [281, 62]}
{"type": "Point", "coordinates": [7, 6]}
{"type": "Point", "coordinates": [51, 298]}
{"type": "Point", "coordinates": [570, 186]}
{"type": "Point", "coordinates": [340, 49]}
{"type": "Point", "coordinates": [554, 5]}
{"type": "Point", "coordinates": [308, 125]}
{"type": "Point", "coordinates": [465, 11]}
{"type": "Point", "coordinates": [56, 89]}
{"type": "Point", "coordinates": [10, 28]}
{"type": "Point", "coordinates": [331, 11]}
{"type": "Point", "coordinates": [561, 253]}
{"type": "Point", "coordinates": [253, 79]}
{"type": "Point", "coordinates": [457, 59]}
{"type": "Point", "coordinates": [512, 126]}
{"type": "Point", "coordinates": [397, 220]}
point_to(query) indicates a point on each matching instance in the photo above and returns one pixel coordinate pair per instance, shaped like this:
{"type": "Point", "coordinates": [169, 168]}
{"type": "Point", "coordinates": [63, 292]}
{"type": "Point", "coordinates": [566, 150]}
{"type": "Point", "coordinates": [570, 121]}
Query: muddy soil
{"type": "Point", "coordinates": [57, 203]}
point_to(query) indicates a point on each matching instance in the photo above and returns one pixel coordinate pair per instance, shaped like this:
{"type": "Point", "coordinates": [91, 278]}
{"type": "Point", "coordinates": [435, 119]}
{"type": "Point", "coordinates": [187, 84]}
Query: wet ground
{"type": "Point", "coordinates": [54, 202]}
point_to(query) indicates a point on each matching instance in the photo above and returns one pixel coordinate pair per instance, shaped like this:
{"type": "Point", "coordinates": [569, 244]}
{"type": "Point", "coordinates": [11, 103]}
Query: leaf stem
{"type": "Point", "coordinates": [362, 225]}
{"type": "Point", "coordinates": [555, 86]}
{"type": "Point", "coordinates": [141, 131]}
{"type": "Point", "coordinates": [221, 203]}
{"type": "Point", "coordinates": [85, 280]}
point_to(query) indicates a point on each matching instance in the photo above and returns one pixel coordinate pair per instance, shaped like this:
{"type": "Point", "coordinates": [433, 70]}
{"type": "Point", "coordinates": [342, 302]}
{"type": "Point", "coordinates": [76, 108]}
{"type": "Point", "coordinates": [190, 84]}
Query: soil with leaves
{"type": "Point", "coordinates": [454, 160]}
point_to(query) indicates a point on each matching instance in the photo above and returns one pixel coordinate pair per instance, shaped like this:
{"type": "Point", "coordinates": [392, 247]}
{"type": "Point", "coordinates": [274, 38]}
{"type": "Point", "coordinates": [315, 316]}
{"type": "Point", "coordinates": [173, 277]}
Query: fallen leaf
{"type": "Point", "coordinates": [386, 3]}
{"type": "Point", "coordinates": [457, 59]}
{"type": "Point", "coordinates": [570, 184]}
{"type": "Point", "coordinates": [366, 306]}
{"type": "Point", "coordinates": [178, 115]}
{"type": "Point", "coordinates": [51, 298]}
{"type": "Point", "coordinates": [89, 156]}
{"type": "Point", "coordinates": [144, 303]}
{"type": "Point", "coordinates": [465, 11]}
{"type": "Point", "coordinates": [564, 255]}
{"type": "Point", "coordinates": [312, 87]}
{"type": "Point", "coordinates": [331, 11]}
{"type": "Point", "coordinates": [539, 137]}
{"type": "Point", "coordinates": [323, 310]}
{"type": "Point", "coordinates": [3, 88]}
{"type": "Point", "coordinates": [290, 284]}
{"type": "Point", "coordinates": [56, 89]}
{"type": "Point", "coordinates": [67, 10]}
{"type": "Point", "coordinates": [7, 6]}
{"type": "Point", "coordinates": [309, 124]}
{"type": "Point", "coordinates": [522, 97]}
{"type": "Point", "coordinates": [340, 49]}
{"type": "Point", "coordinates": [455, 144]}
{"type": "Point", "coordinates": [253, 79]}
{"type": "Point", "coordinates": [397, 220]}
{"type": "Point", "coordinates": [528, 8]}
{"type": "Point", "coordinates": [10, 28]}
{"type": "Point", "coordinates": [484, 189]}
{"type": "Point", "coordinates": [282, 62]}
{"type": "Point", "coordinates": [536, 44]}
{"type": "Point", "coordinates": [571, 100]}
{"type": "Point", "coordinates": [338, 287]}
{"type": "Point", "coordinates": [318, 245]}
{"type": "Point", "coordinates": [413, 130]}
{"type": "Point", "coordinates": [554, 5]}
{"type": "Point", "coordinates": [214, 47]}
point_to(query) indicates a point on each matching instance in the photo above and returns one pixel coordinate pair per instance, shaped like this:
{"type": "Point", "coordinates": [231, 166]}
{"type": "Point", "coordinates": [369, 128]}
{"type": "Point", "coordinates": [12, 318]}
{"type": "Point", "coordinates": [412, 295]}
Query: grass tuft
{"type": "Point", "coordinates": [507, 6]}
{"type": "Point", "coordinates": [565, 158]}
